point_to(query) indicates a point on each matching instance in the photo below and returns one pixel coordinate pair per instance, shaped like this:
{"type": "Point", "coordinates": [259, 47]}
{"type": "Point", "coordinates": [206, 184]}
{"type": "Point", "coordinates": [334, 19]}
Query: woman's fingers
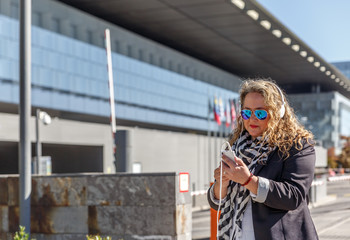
{"type": "Point", "coordinates": [218, 170]}
{"type": "Point", "coordinates": [239, 162]}
{"type": "Point", "coordinates": [231, 170]}
{"type": "Point", "coordinates": [225, 172]}
{"type": "Point", "coordinates": [229, 162]}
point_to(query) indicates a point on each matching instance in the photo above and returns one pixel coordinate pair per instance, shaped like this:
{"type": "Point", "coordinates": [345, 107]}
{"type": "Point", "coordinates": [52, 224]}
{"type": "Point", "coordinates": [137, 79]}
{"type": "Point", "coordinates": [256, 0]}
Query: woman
{"type": "Point", "coordinates": [264, 192]}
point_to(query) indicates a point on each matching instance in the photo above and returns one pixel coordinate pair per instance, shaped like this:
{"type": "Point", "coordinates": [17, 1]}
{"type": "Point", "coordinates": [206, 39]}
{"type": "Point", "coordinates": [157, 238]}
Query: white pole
{"type": "Point", "coordinates": [111, 92]}
{"type": "Point", "coordinates": [210, 111]}
{"type": "Point", "coordinates": [25, 176]}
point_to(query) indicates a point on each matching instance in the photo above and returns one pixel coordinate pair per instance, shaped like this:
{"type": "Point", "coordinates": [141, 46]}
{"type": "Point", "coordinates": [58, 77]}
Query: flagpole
{"type": "Point", "coordinates": [218, 115]}
{"type": "Point", "coordinates": [111, 95]}
{"type": "Point", "coordinates": [222, 114]}
{"type": "Point", "coordinates": [222, 132]}
{"type": "Point", "coordinates": [208, 136]}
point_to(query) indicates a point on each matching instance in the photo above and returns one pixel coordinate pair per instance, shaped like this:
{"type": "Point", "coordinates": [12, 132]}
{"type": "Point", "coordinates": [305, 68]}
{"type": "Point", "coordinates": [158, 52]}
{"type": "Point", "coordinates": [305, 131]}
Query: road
{"type": "Point", "coordinates": [331, 218]}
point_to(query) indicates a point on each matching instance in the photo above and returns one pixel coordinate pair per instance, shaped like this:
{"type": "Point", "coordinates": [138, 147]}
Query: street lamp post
{"type": "Point", "coordinates": [24, 170]}
{"type": "Point", "coordinates": [45, 118]}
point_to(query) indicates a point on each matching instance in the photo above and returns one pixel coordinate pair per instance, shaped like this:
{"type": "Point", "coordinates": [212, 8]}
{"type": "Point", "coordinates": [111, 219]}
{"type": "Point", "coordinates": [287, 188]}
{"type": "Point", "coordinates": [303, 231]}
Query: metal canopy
{"type": "Point", "coordinates": [238, 36]}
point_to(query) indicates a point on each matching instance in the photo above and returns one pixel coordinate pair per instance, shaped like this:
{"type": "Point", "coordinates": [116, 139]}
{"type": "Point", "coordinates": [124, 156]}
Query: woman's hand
{"type": "Point", "coordinates": [225, 179]}
{"type": "Point", "coordinates": [236, 170]}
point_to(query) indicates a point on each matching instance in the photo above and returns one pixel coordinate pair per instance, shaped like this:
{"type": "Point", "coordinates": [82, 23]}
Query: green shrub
{"type": "Point", "coordinates": [97, 237]}
{"type": "Point", "coordinates": [21, 235]}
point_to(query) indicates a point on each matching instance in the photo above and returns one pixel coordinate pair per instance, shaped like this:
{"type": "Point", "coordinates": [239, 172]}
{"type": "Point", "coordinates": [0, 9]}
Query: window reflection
{"type": "Point", "coordinates": [77, 70]}
{"type": "Point", "coordinates": [56, 25]}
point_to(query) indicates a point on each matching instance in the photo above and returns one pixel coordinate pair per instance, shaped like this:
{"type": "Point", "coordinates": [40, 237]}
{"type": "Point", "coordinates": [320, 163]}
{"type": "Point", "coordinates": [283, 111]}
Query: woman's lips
{"type": "Point", "coordinates": [254, 126]}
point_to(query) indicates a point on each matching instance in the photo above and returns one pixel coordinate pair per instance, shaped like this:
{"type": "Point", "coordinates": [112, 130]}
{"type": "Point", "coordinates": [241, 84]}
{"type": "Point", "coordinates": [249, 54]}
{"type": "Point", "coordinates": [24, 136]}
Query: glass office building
{"type": "Point", "coordinates": [155, 88]}
{"type": "Point", "coordinates": [70, 75]}
{"type": "Point", "coordinates": [164, 98]}
{"type": "Point", "coordinates": [344, 67]}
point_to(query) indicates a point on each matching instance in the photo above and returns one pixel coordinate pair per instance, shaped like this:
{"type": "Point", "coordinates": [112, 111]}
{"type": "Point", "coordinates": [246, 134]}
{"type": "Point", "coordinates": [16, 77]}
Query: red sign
{"type": "Point", "coordinates": [184, 182]}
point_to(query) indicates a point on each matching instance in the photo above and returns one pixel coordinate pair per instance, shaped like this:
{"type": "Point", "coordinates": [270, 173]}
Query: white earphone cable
{"type": "Point", "coordinates": [225, 145]}
{"type": "Point", "coordinates": [218, 212]}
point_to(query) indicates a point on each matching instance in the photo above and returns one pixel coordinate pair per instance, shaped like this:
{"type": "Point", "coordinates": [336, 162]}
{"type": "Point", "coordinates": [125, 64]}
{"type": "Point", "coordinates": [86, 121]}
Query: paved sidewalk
{"type": "Point", "coordinates": [333, 223]}
{"type": "Point", "coordinates": [331, 217]}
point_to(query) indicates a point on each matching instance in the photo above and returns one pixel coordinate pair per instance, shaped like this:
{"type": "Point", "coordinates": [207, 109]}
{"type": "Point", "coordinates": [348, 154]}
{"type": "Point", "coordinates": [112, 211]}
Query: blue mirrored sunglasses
{"type": "Point", "coordinates": [260, 114]}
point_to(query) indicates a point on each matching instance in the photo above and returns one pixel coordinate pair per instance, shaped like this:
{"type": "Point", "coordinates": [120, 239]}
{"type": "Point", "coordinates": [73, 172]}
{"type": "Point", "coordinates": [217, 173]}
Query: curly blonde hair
{"type": "Point", "coordinates": [284, 132]}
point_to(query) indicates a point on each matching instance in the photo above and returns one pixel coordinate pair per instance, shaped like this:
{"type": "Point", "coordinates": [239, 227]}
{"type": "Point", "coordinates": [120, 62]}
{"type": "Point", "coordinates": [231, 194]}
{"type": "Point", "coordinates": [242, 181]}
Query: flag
{"type": "Point", "coordinates": [233, 113]}
{"type": "Point", "coordinates": [217, 111]}
{"type": "Point", "coordinates": [221, 109]}
{"type": "Point", "coordinates": [228, 114]}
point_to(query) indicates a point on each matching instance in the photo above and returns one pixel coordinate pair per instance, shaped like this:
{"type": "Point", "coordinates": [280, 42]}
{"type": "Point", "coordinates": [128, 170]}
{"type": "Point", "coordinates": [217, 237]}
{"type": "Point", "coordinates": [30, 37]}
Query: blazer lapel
{"type": "Point", "coordinates": [259, 167]}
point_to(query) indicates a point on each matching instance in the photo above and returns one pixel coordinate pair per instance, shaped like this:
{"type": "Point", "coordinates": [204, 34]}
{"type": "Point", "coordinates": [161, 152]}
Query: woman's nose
{"type": "Point", "coordinates": [253, 116]}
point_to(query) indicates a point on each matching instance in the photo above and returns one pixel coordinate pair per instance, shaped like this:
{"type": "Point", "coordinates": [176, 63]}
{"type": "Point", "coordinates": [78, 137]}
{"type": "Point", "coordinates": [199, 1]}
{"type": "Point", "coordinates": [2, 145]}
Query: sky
{"type": "Point", "coordinates": [324, 25]}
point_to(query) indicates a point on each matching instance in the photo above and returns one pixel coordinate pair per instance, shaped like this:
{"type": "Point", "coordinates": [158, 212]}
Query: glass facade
{"type": "Point", "coordinates": [71, 75]}
{"type": "Point", "coordinates": [345, 119]}
{"type": "Point", "coordinates": [344, 67]}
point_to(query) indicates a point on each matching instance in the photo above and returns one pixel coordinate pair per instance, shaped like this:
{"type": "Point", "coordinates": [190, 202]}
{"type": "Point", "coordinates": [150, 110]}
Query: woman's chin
{"type": "Point", "coordinates": [255, 133]}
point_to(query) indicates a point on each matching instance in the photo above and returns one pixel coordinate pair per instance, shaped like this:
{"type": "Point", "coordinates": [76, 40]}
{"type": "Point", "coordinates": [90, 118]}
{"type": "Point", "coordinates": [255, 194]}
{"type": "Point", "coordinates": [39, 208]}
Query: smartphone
{"type": "Point", "coordinates": [230, 154]}
{"type": "Point", "coordinates": [227, 151]}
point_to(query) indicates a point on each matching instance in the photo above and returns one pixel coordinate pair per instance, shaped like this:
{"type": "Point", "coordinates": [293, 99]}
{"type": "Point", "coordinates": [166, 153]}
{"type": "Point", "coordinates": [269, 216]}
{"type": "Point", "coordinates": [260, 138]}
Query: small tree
{"type": "Point", "coordinates": [21, 235]}
{"type": "Point", "coordinates": [344, 157]}
{"type": "Point", "coordinates": [97, 237]}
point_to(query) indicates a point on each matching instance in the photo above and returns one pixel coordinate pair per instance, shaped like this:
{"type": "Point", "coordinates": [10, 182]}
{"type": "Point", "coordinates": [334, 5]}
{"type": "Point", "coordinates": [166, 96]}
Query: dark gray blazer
{"type": "Point", "coordinates": [285, 213]}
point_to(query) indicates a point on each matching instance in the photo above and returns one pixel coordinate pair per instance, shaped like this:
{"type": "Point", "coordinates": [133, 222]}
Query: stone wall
{"type": "Point", "coordinates": [123, 206]}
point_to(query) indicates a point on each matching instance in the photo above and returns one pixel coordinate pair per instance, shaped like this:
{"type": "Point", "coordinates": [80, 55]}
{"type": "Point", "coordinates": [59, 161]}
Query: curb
{"type": "Point", "coordinates": [324, 201]}
{"type": "Point", "coordinates": [200, 208]}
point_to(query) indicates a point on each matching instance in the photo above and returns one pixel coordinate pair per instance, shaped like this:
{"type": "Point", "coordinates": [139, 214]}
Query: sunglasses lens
{"type": "Point", "coordinates": [246, 114]}
{"type": "Point", "coordinates": [260, 114]}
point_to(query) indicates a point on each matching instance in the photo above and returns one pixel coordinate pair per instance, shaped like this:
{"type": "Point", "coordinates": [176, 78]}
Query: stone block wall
{"type": "Point", "coordinates": [123, 206]}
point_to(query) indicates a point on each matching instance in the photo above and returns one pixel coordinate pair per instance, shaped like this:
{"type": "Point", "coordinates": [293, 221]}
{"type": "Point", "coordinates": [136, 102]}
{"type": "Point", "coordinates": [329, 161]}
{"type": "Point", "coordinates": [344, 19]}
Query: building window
{"type": "Point", "coordinates": [56, 25]}
{"type": "Point", "coordinates": [187, 72]}
{"type": "Point", "coordinates": [141, 55]}
{"type": "Point", "coordinates": [103, 41]}
{"type": "Point", "coordinates": [161, 63]}
{"type": "Point", "coordinates": [170, 67]}
{"type": "Point", "coordinates": [195, 74]}
{"type": "Point", "coordinates": [89, 36]}
{"type": "Point", "coordinates": [129, 51]}
{"type": "Point", "coordinates": [73, 31]}
{"type": "Point", "coordinates": [151, 59]}
{"type": "Point", "coordinates": [117, 46]}
{"type": "Point", "coordinates": [179, 68]}
{"type": "Point", "coordinates": [202, 76]}
{"type": "Point", "coordinates": [37, 19]}
{"type": "Point", "coordinates": [14, 10]}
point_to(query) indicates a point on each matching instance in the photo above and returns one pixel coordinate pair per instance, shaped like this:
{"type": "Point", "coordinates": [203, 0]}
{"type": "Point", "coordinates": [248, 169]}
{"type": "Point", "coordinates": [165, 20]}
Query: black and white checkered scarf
{"type": "Point", "coordinates": [252, 152]}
